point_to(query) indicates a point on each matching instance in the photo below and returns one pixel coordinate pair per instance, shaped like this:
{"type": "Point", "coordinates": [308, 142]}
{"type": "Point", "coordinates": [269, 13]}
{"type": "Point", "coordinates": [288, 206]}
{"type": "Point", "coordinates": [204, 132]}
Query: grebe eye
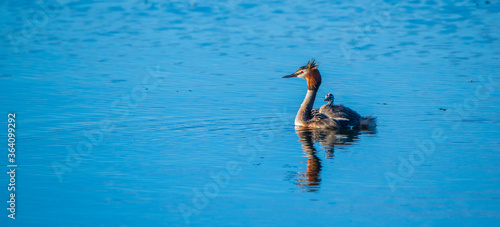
{"type": "Point", "coordinates": [301, 71]}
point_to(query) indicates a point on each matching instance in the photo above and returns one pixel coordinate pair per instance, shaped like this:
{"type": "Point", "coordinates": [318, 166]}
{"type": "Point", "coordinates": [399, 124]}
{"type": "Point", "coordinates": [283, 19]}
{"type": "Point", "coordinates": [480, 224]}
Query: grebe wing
{"type": "Point", "coordinates": [346, 112]}
{"type": "Point", "coordinates": [314, 111]}
{"type": "Point", "coordinates": [319, 116]}
{"type": "Point", "coordinates": [322, 120]}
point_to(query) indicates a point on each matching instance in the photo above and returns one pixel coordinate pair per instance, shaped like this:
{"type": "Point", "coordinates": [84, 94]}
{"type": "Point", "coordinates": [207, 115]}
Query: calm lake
{"type": "Point", "coordinates": [174, 113]}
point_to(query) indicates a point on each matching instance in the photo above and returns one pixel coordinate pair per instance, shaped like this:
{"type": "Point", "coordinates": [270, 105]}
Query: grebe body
{"type": "Point", "coordinates": [329, 115]}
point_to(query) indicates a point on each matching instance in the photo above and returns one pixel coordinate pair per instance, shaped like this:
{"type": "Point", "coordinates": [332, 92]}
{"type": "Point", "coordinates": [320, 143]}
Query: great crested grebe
{"type": "Point", "coordinates": [337, 116]}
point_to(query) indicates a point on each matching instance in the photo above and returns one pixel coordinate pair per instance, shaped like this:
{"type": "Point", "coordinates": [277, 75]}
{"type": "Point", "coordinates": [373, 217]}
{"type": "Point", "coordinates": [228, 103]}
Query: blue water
{"type": "Point", "coordinates": [174, 113]}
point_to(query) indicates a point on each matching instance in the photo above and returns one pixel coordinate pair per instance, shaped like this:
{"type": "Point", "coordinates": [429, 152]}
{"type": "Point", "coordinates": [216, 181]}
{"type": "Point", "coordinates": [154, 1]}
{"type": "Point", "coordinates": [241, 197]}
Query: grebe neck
{"type": "Point", "coordinates": [304, 113]}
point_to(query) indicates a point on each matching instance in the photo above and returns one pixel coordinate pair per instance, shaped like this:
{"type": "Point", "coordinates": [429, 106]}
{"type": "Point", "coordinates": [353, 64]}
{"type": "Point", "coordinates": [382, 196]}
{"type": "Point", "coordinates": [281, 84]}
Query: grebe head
{"type": "Point", "coordinates": [310, 73]}
{"type": "Point", "coordinates": [329, 97]}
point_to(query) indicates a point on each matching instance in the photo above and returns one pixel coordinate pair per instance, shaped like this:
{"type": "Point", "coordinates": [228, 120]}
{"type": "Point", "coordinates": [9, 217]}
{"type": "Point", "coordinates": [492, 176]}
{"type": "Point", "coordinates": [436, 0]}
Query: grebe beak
{"type": "Point", "coordinates": [291, 75]}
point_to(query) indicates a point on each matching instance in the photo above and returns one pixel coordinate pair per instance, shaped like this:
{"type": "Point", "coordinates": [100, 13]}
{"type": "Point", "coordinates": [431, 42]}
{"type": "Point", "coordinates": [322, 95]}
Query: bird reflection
{"type": "Point", "coordinates": [310, 180]}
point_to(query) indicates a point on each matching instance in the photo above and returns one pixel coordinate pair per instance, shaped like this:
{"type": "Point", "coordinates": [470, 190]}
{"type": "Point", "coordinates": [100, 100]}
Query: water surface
{"type": "Point", "coordinates": [180, 115]}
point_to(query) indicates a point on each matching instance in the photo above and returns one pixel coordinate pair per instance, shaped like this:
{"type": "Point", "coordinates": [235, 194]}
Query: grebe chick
{"type": "Point", "coordinates": [338, 115]}
{"type": "Point", "coordinates": [352, 119]}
